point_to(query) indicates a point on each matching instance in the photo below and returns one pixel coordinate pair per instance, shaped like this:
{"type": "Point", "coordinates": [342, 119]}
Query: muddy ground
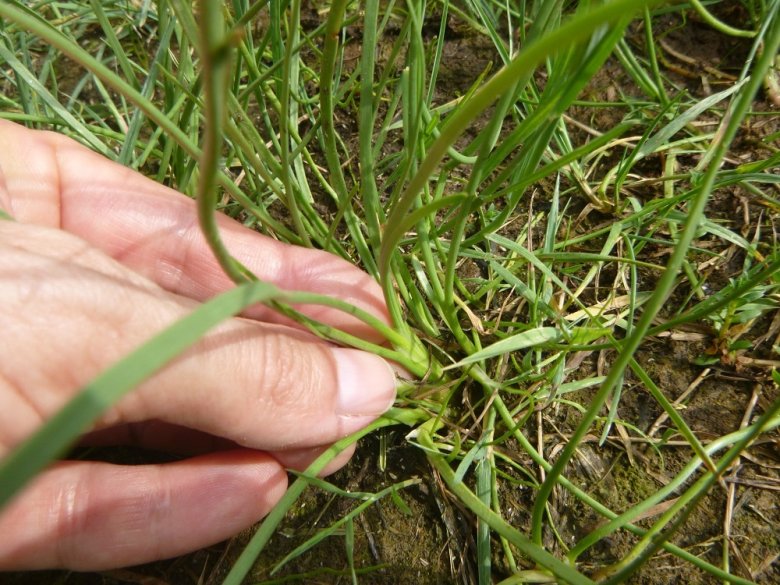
{"type": "Point", "coordinates": [433, 541]}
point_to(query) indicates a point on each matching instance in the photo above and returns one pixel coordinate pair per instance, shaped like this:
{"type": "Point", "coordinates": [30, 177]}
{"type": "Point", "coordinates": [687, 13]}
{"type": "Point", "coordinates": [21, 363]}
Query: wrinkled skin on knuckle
{"type": "Point", "coordinates": [288, 375]}
{"type": "Point", "coordinates": [97, 529]}
{"type": "Point", "coordinates": [69, 516]}
{"type": "Point", "coordinates": [295, 381]}
{"type": "Point", "coordinates": [46, 521]}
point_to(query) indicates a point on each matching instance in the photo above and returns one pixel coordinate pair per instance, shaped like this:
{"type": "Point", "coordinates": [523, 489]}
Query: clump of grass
{"type": "Point", "coordinates": [419, 186]}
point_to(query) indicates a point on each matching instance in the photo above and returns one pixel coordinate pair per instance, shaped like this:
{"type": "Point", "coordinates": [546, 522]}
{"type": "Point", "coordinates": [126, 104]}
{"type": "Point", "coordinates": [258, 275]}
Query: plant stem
{"type": "Point", "coordinates": [215, 57]}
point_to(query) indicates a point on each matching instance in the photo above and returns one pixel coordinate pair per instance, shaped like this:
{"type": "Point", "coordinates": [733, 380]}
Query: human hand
{"type": "Point", "coordinates": [98, 261]}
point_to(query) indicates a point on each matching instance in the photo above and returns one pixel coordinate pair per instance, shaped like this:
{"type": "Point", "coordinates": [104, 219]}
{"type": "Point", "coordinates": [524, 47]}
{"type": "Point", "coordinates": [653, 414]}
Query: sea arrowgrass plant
{"type": "Point", "coordinates": [372, 158]}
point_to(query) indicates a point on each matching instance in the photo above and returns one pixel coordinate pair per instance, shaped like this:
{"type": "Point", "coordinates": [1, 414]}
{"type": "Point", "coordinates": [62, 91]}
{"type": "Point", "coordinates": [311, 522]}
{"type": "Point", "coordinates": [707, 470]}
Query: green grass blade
{"type": "Point", "coordinates": [664, 134]}
{"type": "Point", "coordinates": [561, 570]}
{"type": "Point", "coordinates": [256, 545]}
{"type": "Point", "coordinates": [109, 34]}
{"type": "Point", "coordinates": [524, 340]}
{"type": "Point", "coordinates": [576, 30]}
{"type": "Point", "coordinates": [738, 110]}
{"type": "Point", "coordinates": [42, 93]}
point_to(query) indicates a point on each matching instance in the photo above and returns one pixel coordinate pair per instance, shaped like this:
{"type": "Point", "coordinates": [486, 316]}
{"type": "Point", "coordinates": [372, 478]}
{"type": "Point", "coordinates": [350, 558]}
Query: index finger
{"type": "Point", "coordinates": [51, 180]}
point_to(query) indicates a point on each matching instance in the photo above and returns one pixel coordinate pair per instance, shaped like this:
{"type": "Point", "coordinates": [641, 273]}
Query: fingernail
{"type": "Point", "coordinates": [366, 383]}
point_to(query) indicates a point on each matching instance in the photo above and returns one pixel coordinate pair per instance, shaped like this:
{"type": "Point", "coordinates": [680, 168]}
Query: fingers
{"type": "Point", "coordinates": [158, 436]}
{"type": "Point", "coordinates": [260, 385]}
{"type": "Point", "coordinates": [93, 516]}
{"type": "Point", "coordinates": [167, 438]}
{"type": "Point", "coordinates": [69, 311]}
{"type": "Point", "coordinates": [51, 180]}
{"type": "Point", "coordinates": [300, 459]}
{"type": "Point", "coordinates": [266, 387]}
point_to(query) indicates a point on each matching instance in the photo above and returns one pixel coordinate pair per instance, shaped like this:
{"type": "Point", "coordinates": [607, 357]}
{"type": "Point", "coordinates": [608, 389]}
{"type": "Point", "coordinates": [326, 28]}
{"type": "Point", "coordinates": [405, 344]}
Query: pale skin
{"type": "Point", "coordinates": [97, 260]}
